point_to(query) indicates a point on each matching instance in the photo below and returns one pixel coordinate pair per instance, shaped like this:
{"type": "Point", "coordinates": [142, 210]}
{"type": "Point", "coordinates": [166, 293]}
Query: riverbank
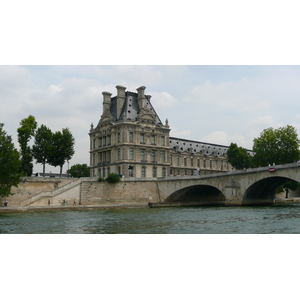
{"type": "Point", "coordinates": [4, 209]}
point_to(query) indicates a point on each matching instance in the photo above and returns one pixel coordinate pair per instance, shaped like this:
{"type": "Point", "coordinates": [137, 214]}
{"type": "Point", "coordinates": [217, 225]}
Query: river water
{"type": "Point", "coordinates": [277, 219]}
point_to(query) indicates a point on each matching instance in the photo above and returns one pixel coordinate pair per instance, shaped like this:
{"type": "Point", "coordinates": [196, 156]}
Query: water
{"type": "Point", "coordinates": [175, 220]}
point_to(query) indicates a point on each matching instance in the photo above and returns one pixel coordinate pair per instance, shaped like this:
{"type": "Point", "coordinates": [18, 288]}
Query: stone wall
{"type": "Point", "coordinates": [86, 191]}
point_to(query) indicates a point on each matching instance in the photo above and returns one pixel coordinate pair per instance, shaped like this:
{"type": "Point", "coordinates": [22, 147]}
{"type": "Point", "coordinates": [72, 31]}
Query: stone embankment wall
{"type": "Point", "coordinates": [33, 191]}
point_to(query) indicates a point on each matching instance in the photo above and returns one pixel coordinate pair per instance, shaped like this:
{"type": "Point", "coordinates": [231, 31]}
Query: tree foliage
{"type": "Point", "coordinates": [41, 150]}
{"type": "Point", "coordinates": [25, 133]}
{"type": "Point", "coordinates": [112, 178]}
{"type": "Point", "coordinates": [79, 170]}
{"type": "Point", "coordinates": [62, 148]}
{"type": "Point", "coordinates": [279, 146]}
{"type": "Point", "coordinates": [10, 164]}
{"type": "Point", "coordinates": [238, 157]}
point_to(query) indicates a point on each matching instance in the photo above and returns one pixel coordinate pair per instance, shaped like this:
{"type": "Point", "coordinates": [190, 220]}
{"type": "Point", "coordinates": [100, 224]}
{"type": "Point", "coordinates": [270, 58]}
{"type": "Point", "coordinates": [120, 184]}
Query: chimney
{"type": "Point", "coordinates": [141, 97]}
{"type": "Point", "coordinates": [106, 101]}
{"type": "Point", "coordinates": [120, 99]}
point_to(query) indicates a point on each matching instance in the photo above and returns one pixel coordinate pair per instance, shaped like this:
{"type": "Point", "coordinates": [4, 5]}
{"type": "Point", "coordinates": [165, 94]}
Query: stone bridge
{"type": "Point", "coordinates": [251, 186]}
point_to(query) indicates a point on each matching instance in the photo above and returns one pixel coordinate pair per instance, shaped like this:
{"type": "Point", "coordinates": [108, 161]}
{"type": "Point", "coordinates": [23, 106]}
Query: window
{"type": "Point", "coordinates": [94, 159]}
{"type": "Point", "coordinates": [154, 172]}
{"type": "Point", "coordinates": [163, 156]}
{"type": "Point", "coordinates": [192, 162]}
{"type": "Point", "coordinates": [204, 163]}
{"type": "Point", "coordinates": [119, 137]}
{"type": "Point", "coordinates": [163, 172]}
{"type": "Point", "coordinates": [198, 163]}
{"type": "Point", "coordinates": [171, 160]}
{"type": "Point", "coordinates": [131, 153]}
{"type": "Point", "coordinates": [184, 160]}
{"type": "Point", "coordinates": [94, 144]}
{"type": "Point", "coordinates": [210, 163]}
{"type": "Point", "coordinates": [143, 171]}
{"type": "Point", "coordinates": [142, 138]}
{"type": "Point", "coordinates": [177, 158]}
{"type": "Point", "coordinates": [142, 155]}
{"type": "Point", "coordinates": [131, 137]}
{"type": "Point", "coordinates": [152, 139]}
{"type": "Point", "coordinates": [163, 141]}
{"type": "Point", "coordinates": [153, 155]}
{"type": "Point", "coordinates": [100, 142]}
{"type": "Point", "coordinates": [119, 153]}
{"type": "Point", "coordinates": [104, 174]}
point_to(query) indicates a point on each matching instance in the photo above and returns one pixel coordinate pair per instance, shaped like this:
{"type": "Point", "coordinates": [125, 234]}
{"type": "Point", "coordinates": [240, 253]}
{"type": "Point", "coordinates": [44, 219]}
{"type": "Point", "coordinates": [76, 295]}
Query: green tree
{"type": "Point", "coordinates": [238, 157]}
{"type": "Point", "coordinates": [41, 150]}
{"type": "Point", "coordinates": [79, 170]}
{"type": "Point", "coordinates": [279, 146]}
{"type": "Point", "coordinates": [10, 164]}
{"type": "Point", "coordinates": [113, 178]}
{"type": "Point", "coordinates": [25, 133]}
{"type": "Point", "coordinates": [62, 148]}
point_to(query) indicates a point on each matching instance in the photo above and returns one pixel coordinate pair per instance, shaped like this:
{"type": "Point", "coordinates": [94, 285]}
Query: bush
{"type": "Point", "coordinates": [101, 179]}
{"type": "Point", "coordinates": [113, 178]}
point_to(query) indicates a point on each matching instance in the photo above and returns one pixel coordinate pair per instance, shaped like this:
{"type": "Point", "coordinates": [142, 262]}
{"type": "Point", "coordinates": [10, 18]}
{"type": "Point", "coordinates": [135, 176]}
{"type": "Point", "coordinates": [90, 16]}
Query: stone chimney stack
{"type": "Point", "coordinates": [121, 96]}
{"type": "Point", "coordinates": [141, 97]}
{"type": "Point", "coordinates": [106, 101]}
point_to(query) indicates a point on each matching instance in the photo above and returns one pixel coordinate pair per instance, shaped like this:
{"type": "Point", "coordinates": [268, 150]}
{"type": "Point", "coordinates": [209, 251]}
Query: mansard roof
{"type": "Point", "coordinates": [131, 110]}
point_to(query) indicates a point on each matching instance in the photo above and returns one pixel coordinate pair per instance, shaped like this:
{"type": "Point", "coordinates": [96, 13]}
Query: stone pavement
{"type": "Point", "coordinates": [68, 207]}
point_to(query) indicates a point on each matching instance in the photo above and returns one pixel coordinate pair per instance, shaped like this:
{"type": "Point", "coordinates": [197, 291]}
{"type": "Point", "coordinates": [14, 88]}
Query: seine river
{"type": "Point", "coordinates": [277, 219]}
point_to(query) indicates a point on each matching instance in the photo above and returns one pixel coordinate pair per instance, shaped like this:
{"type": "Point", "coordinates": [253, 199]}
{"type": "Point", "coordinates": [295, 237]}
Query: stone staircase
{"type": "Point", "coordinates": [40, 195]}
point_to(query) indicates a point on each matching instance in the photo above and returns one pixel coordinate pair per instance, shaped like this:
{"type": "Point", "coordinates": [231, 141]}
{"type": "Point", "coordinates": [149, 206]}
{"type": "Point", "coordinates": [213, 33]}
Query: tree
{"type": "Point", "coordinates": [79, 170]}
{"type": "Point", "coordinates": [279, 146]}
{"type": "Point", "coordinates": [238, 157]}
{"type": "Point", "coordinates": [62, 148]}
{"type": "Point", "coordinates": [10, 164]}
{"type": "Point", "coordinates": [112, 178]}
{"type": "Point", "coordinates": [41, 150]}
{"type": "Point", "coordinates": [25, 133]}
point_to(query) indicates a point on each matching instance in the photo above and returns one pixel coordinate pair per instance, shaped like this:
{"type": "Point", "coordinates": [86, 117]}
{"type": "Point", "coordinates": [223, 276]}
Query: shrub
{"type": "Point", "coordinates": [100, 179]}
{"type": "Point", "coordinates": [113, 178]}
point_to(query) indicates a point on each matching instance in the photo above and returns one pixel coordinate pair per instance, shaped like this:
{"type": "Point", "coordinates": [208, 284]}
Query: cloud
{"type": "Point", "coordinates": [162, 100]}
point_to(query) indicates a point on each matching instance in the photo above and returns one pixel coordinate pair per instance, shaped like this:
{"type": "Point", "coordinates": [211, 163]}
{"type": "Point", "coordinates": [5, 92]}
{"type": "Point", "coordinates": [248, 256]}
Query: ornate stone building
{"type": "Point", "coordinates": [131, 140]}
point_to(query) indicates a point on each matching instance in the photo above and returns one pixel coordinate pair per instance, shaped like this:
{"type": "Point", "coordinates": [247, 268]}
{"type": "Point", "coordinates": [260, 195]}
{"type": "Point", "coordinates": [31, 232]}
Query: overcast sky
{"type": "Point", "coordinates": [214, 104]}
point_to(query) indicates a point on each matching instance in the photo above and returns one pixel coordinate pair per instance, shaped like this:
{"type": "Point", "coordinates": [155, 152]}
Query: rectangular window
{"type": "Point", "coordinates": [142, 155]}
{"type": "Point", "coordinates": [198, 163]}
{"type": "Point", "coordinates": [163, 156]}
{"type": "Point", "coordinates": [131, 137]}
{"type": "Point", "coordinates": [154, 172]}
{"type": "Point", "coordinates": [142, 138]}
{"type": "Point", "coordinates": [177, 158]}
{"type": "Point", "coordinates": [163, 172]}
{"type": "Point", "coordinates": [163, 141]}
{"type": "Point", "coordinates": [94, 144]}
{"type": "Point", "coordinates": [100, 142]}
{"type": "Point", "coordinates": [104, 141]}
{"type": "Point", "coordinates": [152, 139]}
{"type": "Point", "coordinates": [184, 160]}
{"type": "Point", "coordinates": [119, 153]}
{"type": "Point", "coordinates": [143, 172]}
{"type": "Point", "coordinates": [210, 163]}
{"type": "Point", "coordinates": [171, 160]}
{"type": "Point", "coordinates": [204, 163]}
{"type": "Point", "coordinates": [131, 153]}
{"type": "Point", "coordinates": [192, 162]}
{"type": "Point", "coordinates": [119, 137]}
{"type": "Point", "coordinates": [153, 155]}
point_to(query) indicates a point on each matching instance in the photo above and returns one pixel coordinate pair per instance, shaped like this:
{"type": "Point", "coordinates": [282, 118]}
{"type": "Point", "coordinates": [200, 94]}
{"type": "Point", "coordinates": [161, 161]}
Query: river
{"type": "Point", "coordinates": [277, 219]}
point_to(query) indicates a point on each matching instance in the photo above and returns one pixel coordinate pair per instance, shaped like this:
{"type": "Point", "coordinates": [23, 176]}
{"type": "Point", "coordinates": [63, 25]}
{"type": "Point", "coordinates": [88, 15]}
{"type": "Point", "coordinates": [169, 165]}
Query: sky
{"type": "Point", "coordinates": [210, 103]}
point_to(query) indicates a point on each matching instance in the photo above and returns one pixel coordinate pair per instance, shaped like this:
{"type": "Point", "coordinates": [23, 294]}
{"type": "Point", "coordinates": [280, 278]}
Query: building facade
{"type": "Point", "coordinates": [131, 140]}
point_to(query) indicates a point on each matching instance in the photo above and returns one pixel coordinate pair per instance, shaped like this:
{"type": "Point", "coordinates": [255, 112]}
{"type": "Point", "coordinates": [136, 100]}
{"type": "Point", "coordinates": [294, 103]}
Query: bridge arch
{"type": "Point", "coordinates": [264, 191]}
{"type": "Point", "coordinates": [198, 195]}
